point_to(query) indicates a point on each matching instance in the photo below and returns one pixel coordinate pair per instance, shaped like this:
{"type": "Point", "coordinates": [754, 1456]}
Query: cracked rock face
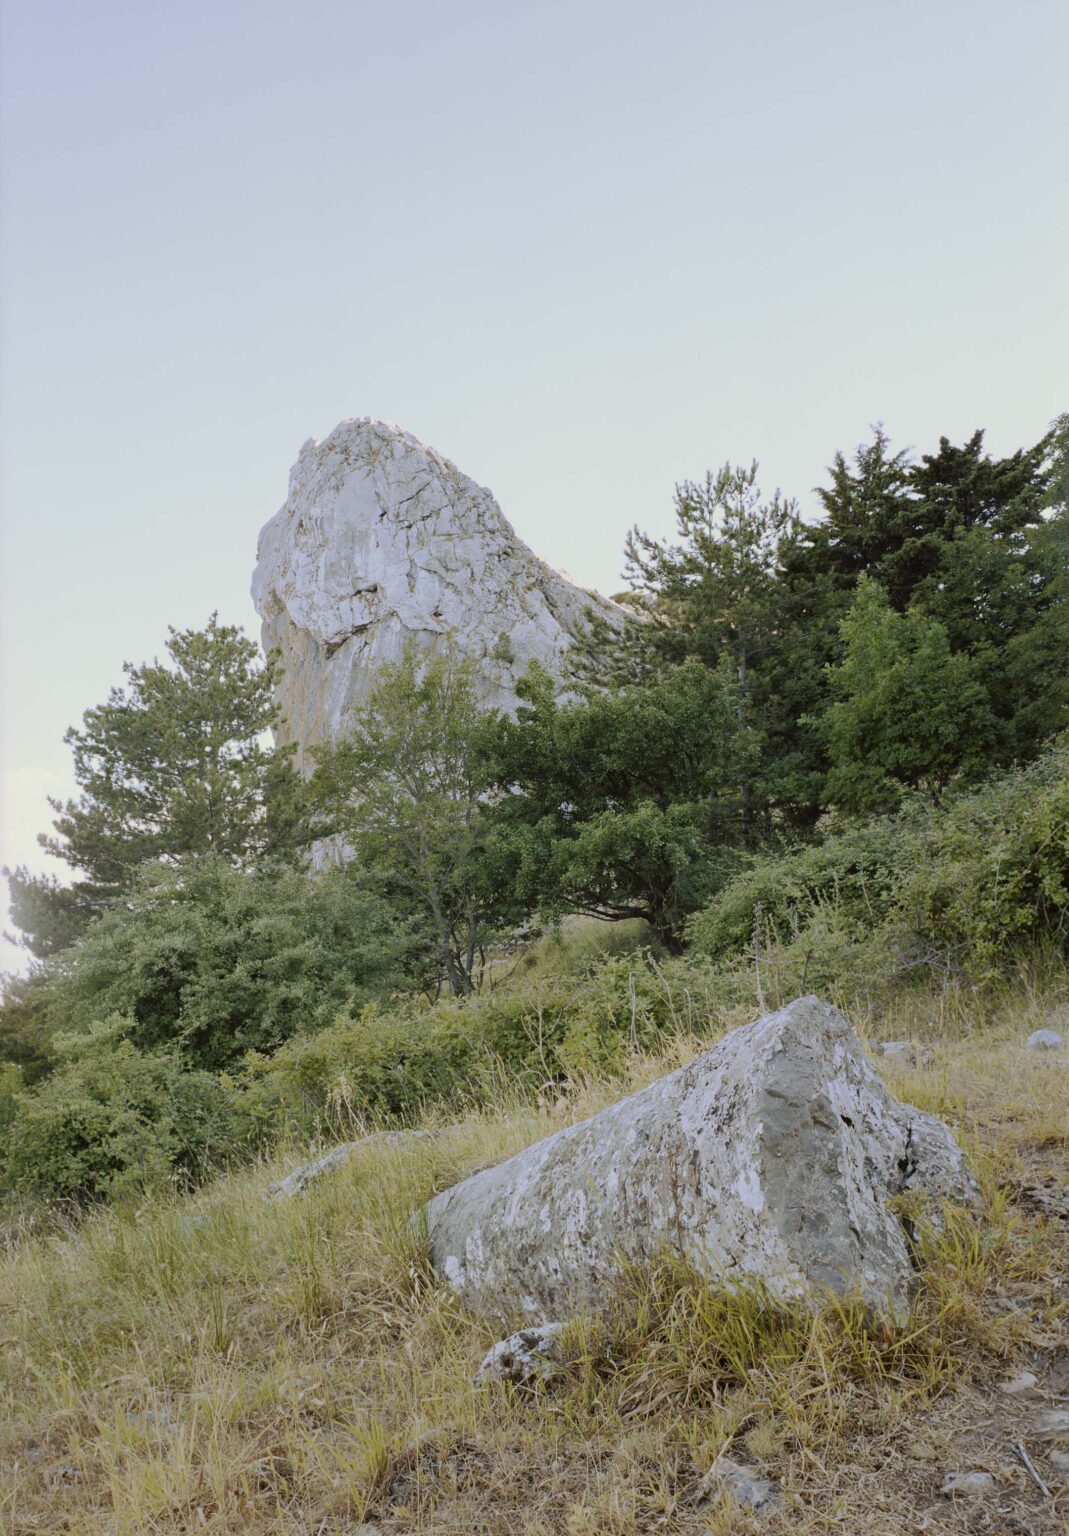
{"type": "Point", "coordinates": [774, 1157]}
{"type": "Point", "coordinates": [382, 540]}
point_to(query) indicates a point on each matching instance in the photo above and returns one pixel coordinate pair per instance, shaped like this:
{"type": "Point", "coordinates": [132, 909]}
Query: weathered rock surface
{"type": "Point", "coordinates": [744, 1485]}
{"type": "Point", "coordinates": [966, 1483]}
{"type": "Point", "coordinates": [1014, 1386]}
{"type": "Point", "coordinates": [903, 1053]}
{"type": "Point", "coordinates": [530, 1356]}
{"type": "Point", "coordinates": [1044, 1040]}
{"type": "Point", "coordinates": [382, 540]}
{"type": "Point", "coordinates": [774, 1156]}
{"type": "Point", "coordinates": [296, 1182]}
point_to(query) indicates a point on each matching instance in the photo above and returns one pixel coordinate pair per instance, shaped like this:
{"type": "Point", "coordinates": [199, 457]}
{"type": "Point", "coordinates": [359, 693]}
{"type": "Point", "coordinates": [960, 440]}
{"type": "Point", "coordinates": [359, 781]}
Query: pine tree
{"type": "Point", "coordinates": [175, 762]}
{"type": "Point", "coordinates": [907, 713]}
{"type": "Point", "coordinates": [716, 595]}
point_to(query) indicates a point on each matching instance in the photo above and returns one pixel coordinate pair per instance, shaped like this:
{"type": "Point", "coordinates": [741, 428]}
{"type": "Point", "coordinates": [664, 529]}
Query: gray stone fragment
{"type": "Point", "coordinates": [530, 1356]}
{"type": "Point", "coordinates": [307, 1173]}
{"type": "Point", "coordinates": [743, 1484]}
{"type": "Point", "coordinates": [904, 1053]}
{"type": "Point", "coordinates": [967, 1482]}
{"type": "Point", "coordinates": [1054, 1424]}
{"type": "Point", "coordinates": [156, 1418]}
{"type": "Point", "coordinates": [1044, 1040]}
{"type": "Point", "coordinates": [1060, 1459]}
{"type": "Point", "coordinates": [1014, 1386]}
{"type": "Point", "coordinates": [773, 1157]}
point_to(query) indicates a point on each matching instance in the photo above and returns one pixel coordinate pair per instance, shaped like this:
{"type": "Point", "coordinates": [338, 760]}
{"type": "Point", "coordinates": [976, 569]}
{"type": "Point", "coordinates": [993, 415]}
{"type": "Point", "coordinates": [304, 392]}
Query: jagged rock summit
{"type": "Point", "coordinates": [380, 540]}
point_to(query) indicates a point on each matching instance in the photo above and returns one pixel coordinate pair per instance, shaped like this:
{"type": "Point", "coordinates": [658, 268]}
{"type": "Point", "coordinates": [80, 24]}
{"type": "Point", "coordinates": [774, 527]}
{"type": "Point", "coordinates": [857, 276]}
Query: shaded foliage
{"type": "Point", "coordinates": [623, 804]}
{"type": "Point", "coordinates": [214, 962]}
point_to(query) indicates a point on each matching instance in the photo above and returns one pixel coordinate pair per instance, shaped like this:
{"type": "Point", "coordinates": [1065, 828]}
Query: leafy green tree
{"type": "Point", "coordinates": [976, 543]}
{"type": "Point", "coordinates": [907, 713]}
{"type": "Point", "coordinates": [895, 520]}
{"type": "Point", "coordinates": [864, 507]}
{"type": "Point", "coordinates": [49, 915]}
{"type": "Point", "coordinates": [176, 762]}
{"type": "Point", "coordinates": [716, 594]}
{"type": "Point", "coordinates": [404, 790]}
{"type": "Point", "coordinates": [213, 961]}
{"type": "Point", "coordinates": [26, 1023]}
{"type": "Point", "coordinates": [626, 803]}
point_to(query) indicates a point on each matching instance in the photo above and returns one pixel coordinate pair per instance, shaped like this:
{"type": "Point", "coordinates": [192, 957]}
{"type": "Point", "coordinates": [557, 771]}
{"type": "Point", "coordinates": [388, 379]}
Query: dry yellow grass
{"type": "Point", "coordinates": [225, 1364]}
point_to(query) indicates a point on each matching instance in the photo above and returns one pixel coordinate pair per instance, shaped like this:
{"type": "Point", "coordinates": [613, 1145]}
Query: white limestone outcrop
{"type": "Point", "coordinates": [382, 540]}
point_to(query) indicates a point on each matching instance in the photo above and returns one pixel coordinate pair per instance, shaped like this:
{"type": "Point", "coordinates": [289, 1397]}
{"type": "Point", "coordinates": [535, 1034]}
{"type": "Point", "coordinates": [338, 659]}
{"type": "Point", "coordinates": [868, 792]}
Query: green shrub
{"type": "Point", "coordinates": [12, 1082]}
{"type": "Point", "coordinates": [848, 880]}
{"type": "Point", "coordinates": [989, 876]}
{"type": "Point", "coordinates": [391, 1064]}
{"type": "Point", "coordinates": [112, 1120]}
{"type": "Point", "coordinates": [963, 888]}
{"type": "Point", "coordinates": [218, 962]}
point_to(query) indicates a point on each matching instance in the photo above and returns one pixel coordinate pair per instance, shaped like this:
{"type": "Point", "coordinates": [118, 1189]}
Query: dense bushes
{"type": "Point", "coordinates": [112, 1119]}
{"type": "Point", "coordinates": [393, 1064]}
{"type": "Point", "coordinates": [215, 962]}
{"type": "Point", "coordinates": [852, 875]}
{"type": "Point", "coordinates": [113, 1116]}
{"type": "Point", "coordinates": [989, 876]}
{"type": "Point", "coordinates": [961, 888]}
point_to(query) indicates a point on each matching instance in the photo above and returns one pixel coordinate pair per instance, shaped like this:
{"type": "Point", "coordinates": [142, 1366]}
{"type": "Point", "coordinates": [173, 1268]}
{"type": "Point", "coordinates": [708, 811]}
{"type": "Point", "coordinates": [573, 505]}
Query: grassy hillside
{"type": "Point", "coordinates": [830, 757]}
{"type": "Point", "coordinates": [226, 1363]}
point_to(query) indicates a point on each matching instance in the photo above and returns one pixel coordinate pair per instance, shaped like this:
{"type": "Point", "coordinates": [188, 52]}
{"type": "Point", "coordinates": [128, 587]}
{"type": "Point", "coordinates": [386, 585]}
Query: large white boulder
{"type": "Point", "coordinates": [774, 1157]}
{"type": "Point", "coordinates": [382, 540]}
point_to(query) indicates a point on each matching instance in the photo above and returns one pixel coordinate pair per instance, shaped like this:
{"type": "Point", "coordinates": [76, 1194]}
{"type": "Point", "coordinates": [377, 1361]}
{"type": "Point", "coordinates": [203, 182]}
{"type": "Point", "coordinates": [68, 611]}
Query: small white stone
{"type": "Point", "coordinates": [1044, 1040]}
{"type": "Point", "coordinates": [531, 1355]}
{"type": "Point", "coordinates": [743, 1484]}
{"type": "Point", "coordinates": [904, 1053]}
{"type": "Point", "coordinates": [1054, 1425]}
{"type": "Point", "coordinates": [294, 1183]}
{"type": "Point", "coordinates": [1060, 1459]}
{"type": "Point", "coordinates": [967, 1482]}
{"type": "Point", "coordinates": [1024, 1381]}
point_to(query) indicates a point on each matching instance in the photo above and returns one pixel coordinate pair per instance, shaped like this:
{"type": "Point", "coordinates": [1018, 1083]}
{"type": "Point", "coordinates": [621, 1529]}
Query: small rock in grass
{"type": "Point", "coordinates": [1054, 1425]}
{"type": "Point", "coordinates": [967, 1482]}
{"type": "Point", "coordinates": [526, 1357]}
{"type": "Point", "coordinates": [1024, 1381]}
{"type": "Point", "coordinates": [920, 1450]}
{"type": "Point", "coordinates": [743, 1484]}
{"type": "Point", "coordinates": [294, 1183]}
{"type": "Point", "coordinates": [1060, 1459]}
{"type": "Point", "coordinates": [1044, 1040]}
{"type": "Point", "coordinates": [904, 1053]}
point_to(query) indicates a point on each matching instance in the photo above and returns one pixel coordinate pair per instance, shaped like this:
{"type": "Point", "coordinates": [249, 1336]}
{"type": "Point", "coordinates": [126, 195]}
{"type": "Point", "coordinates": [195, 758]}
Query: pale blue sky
{"type": "Point", "coordinates": [584, 249]}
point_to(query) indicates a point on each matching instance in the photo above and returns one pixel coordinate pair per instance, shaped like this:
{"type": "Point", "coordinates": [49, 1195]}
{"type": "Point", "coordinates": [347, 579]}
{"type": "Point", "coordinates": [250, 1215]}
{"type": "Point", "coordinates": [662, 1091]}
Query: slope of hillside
{"type": "Point", "coordinates": [226, 1363]}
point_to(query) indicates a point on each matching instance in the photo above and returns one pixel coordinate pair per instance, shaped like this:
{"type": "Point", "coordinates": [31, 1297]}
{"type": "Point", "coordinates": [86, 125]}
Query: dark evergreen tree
{"type": "Point", "coordinates": [628, 803]}
{"type": "Point", "coordinates": [717, 595]}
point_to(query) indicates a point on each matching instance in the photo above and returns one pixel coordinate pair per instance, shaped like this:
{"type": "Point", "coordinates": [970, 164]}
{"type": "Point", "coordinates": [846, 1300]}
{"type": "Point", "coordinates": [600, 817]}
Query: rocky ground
{"type": "Point", "coordinates": [238, 1363]}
